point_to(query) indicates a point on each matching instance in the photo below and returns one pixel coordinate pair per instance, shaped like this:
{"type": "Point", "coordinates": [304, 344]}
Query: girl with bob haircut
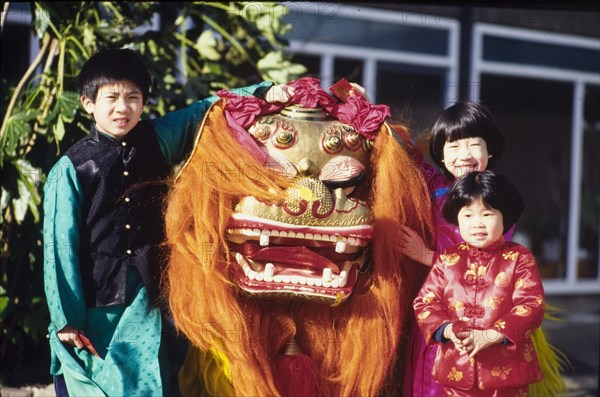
{"type": "Point", "coordinates": [484, 298]}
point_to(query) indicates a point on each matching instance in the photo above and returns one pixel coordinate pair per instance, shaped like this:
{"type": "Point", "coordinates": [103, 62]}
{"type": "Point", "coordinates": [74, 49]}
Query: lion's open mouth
{"type": "Point", "coordinates": [310, 262]}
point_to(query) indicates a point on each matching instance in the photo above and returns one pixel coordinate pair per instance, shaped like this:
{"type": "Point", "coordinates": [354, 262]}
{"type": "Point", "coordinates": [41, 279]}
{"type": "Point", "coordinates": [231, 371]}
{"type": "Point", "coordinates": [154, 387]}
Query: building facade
{"type": "Point", "coordinates": [538, 70]}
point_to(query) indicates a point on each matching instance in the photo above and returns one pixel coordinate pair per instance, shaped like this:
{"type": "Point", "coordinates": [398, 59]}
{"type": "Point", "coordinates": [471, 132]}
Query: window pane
{"type": "Point", "coordinates": [349, 69]}
{"type": "Point", "coordinates": [535, 117]}
{"type": "Point", "coordinates": [590, 187]}
{"type": "Point", "coordinates": [326, 25]}
{"type": "Point", "coordinates": [312, 63]}
{"type": "Point", "coordinates": [15, 48]}
{"type": "Point", "coordinates": [415, 95]}
{"type": "Point", "coordinates": [540, 54]}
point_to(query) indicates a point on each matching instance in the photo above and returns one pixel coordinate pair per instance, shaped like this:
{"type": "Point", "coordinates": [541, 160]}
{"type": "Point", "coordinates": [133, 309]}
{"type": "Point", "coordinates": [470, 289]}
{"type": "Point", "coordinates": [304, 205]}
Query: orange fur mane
{"type": "Point", "coordinates": [354, 345]}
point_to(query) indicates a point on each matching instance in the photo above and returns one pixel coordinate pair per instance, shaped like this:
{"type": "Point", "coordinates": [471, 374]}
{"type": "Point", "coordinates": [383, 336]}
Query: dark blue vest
{"type": "Point", "coordinates": [122, 225]}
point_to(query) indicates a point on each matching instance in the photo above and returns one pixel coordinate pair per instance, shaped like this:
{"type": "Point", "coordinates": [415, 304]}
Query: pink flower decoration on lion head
{"type": "Point", "coordinates": [308, 93]}
{"type": "Point", "coordinates": [365, 117]}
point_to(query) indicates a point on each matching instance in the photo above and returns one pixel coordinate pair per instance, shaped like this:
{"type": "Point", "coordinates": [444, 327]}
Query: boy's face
{"type": "Point", "coordinates": [117, 108]}
{"type": "Point", "coordinates": [465, 155]}
{"type": "Point", "coordinates": [480, 226]}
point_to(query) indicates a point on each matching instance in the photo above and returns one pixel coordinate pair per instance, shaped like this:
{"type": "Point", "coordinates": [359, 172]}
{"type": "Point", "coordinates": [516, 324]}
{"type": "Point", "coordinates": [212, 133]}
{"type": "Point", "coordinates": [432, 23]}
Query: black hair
{"type": "Point", "coordinates": [110, 65]}
{"type": "Point", "coordinates": [494, 190]}
{"type": "Point", "coordinates": [465, 120]}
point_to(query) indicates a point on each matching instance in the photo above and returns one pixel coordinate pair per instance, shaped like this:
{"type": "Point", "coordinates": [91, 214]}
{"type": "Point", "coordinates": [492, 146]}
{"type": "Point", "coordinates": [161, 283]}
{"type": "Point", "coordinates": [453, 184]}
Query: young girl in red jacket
{"type": "Point", "coordinates": [483, 298]}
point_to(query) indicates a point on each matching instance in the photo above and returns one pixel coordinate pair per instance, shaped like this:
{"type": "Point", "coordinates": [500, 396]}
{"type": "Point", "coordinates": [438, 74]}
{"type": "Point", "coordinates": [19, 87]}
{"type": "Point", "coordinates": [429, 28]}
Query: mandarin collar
{"type": "Point", "coordinates": [486, 252]}
{"type": "Point", "coordinates": [99, 136]}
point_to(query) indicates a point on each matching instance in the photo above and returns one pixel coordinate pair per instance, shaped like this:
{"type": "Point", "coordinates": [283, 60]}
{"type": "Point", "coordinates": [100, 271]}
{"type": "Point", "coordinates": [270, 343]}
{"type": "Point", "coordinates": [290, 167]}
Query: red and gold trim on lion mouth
{"type": "Point", "coordinates": [297, 261]}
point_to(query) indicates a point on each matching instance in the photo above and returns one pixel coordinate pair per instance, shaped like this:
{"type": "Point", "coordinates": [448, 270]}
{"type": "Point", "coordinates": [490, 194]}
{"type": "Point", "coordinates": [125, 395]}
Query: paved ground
{"type": "Point", "coordinates": [578, 336]}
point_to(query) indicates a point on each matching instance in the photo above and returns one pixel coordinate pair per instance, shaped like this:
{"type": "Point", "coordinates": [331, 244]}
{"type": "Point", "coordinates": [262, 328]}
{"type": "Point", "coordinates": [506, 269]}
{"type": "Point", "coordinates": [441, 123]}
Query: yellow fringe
{"type": "Point", "coordinates": [552, 362]}
{"type": "Point", "coordinates": [205, 374]}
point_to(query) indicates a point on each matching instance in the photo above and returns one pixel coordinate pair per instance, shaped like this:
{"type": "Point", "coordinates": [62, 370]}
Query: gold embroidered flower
{"type": "Point", "coordinates": [523, 283]}
{"type": "Point", "coordinates": [493, 302]}
{"type": "Point", "coordinates": [502, 280]}
{"type": "Point", "coordinates": [481, 385]}
{"type": "Point", "coordinates": [502, 373]}
{"type": "Point", "coordinates": [471, 273]}
{"type": "Point", "coordinates": [500, 325]}
{"type": "Point", "coordinates": [423, 316]}
{"type": "Point", "coordinates": [522, 310]}
{"type": "Point", "coordinates": [450, 259]}
{"type": "Point", "coordinates": [539, 300]}
{"type": "Point", "coordinates": [512, 255]}
{"type": "Point", "coordinates": [527, 355]}
{"type": "Point", "coordinates": [463, 246]}
{"type": "Point", "coordinates": [455, 375]}
{"type": "Point", "coordinates": [456, 306]}
{"type": "Point", "coordinates": [529, 263]}
{"type": "Point", "coordinates": [429, 297]}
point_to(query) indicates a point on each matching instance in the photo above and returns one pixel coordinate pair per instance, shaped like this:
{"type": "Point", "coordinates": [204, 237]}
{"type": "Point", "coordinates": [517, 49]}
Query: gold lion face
{"type": "Point", "coordinates": [312, 244]}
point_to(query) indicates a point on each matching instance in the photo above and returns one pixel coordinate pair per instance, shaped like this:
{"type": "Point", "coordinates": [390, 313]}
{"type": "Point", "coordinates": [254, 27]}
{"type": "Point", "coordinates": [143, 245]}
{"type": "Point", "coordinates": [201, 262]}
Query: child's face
{"type": "Point", "coordinates": [117, 108]}
{"type": "Point", "coordinates": [465, 155]}
{"type": "Point", "coordinates": [480, 226]}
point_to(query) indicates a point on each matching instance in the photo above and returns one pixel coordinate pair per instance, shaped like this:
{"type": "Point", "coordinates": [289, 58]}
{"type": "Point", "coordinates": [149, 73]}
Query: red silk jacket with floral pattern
{"type": "Point", "coordinates": [497, 287]}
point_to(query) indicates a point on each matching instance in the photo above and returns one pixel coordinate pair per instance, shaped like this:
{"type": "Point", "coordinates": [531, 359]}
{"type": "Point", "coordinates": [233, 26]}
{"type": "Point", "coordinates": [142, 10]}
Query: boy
{"type": "Point", "coordinates": [103, 226]}
{"type": "Point", "coordinates": [483, 298]}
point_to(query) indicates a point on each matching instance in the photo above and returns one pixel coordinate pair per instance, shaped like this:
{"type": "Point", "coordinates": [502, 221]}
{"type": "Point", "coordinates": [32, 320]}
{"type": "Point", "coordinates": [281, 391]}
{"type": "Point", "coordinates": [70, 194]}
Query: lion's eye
{"type": "Point", "coordinates": [352, 140]}
{"type": "Point", "coordinates": [284, 138]}
{"type": "Point", "coordinates": [333, 144]}
{"type": "Point", "coordinates": [262, 132]}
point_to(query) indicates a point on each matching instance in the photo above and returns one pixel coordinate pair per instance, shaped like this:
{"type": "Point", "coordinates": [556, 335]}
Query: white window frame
{"type": "Point", "coordinates": [570, 284]}
{"type": "Point", "coordinates": [370, 56]}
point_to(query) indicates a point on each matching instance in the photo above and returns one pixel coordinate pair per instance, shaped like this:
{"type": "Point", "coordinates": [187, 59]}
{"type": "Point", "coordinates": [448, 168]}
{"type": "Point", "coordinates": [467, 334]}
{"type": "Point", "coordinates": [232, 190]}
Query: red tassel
{"type": "Point", "coordinates": [295, 374]}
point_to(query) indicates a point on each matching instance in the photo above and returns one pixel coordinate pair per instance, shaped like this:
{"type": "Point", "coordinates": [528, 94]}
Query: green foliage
{"type": "Point", "coordinates": [199, 48]}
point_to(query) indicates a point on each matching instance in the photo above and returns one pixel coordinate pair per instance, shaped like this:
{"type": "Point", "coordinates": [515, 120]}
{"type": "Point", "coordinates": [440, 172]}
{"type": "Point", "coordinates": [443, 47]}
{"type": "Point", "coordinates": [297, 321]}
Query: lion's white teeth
{"type": "Point", "coordinates": [340, 245]}
{"type": "Point", "coordinates": [269, 271]}
{"type": "Point", "coordinates": [264, 238]}
{"type": "Point", "coordinates": [343, 278]}
{"type": "Point", "coordinates": [327, 274]}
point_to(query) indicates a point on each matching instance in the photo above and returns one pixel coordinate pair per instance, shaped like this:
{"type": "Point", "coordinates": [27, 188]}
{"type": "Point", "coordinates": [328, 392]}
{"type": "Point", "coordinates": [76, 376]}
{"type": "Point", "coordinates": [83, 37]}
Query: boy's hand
{"type": "Point", "coordinates": [412, 245]}
{"type": "Point", "coordinates": [279, 93]}
{"type": "Point", "coordinates": [77, 338]}
{"type": "Point", "coordinates": [70, 335]}
{"type": "Point", "coordinates": [476, 340]}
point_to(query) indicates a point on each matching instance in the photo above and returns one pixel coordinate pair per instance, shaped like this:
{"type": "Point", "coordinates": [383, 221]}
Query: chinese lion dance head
{"type": "Point", "coordinates": [283, 229]}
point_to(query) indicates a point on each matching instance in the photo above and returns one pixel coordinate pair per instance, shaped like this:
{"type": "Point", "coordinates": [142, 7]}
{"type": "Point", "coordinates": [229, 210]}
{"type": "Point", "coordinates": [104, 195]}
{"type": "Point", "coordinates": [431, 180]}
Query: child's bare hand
{"type": "Point", "coordinates": [413, 246]}
{"type": "Point", "coordinates": [476, 340]}
{"type": "Point", "coordinates": [279, 93]}
{"type": "Point", "coordinates": [449, 334]}
{"type": "Point", "coordinates": [70, 335]}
